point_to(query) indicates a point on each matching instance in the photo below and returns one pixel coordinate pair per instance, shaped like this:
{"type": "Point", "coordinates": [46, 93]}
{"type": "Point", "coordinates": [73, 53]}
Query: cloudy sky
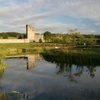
{"type": "Point", "coordinates": [50, 15]}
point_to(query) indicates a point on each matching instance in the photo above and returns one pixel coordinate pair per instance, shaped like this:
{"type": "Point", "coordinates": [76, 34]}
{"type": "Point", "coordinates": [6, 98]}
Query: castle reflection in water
{"type": "Point", "coordinates": [31, 59]}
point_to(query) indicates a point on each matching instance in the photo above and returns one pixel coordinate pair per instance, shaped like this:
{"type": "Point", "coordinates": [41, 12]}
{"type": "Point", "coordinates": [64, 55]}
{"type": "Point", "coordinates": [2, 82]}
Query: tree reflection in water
{"type": "Point", "coordinates": [41, 85]}
{"type": "Point", "coordinates": [66, 61]}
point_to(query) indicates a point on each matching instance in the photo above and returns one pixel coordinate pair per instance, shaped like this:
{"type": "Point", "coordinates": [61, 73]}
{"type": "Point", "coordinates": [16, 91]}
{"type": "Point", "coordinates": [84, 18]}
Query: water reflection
{"type": "Point", "coordinates": [48, 81]}
{"type": "Point", "coordinates": [30, 59]}
{"type": "Point", "coordinates": [66, 62]}
{"type": "Point", "coordinates": [67, 70]}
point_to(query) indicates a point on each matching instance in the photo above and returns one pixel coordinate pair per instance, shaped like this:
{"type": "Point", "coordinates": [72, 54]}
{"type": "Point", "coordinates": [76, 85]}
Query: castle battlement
{"type": "Point", "coordinates": [30, 37]}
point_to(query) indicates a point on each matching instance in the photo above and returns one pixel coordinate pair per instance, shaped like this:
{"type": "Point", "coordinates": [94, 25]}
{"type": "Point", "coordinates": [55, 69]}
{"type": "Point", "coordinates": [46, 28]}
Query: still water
{"type": "Point", "coordinates": [33, 78]}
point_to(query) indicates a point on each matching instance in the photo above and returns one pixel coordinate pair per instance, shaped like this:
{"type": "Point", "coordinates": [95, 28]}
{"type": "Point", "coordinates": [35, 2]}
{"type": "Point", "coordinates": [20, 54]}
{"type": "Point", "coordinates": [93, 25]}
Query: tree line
{"type": "Point", "coordinates": [73, 37]}
{"type": "Point", "coordinates": [6, 35]}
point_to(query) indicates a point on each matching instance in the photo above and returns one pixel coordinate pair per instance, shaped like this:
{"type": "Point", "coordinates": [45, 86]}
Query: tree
{"type": "Point", "coordinates": [92, 40]}
{"type": "Point", "coordinates": [74, 35]}
{"type": "Point", "coordinates": [40, 40]}
{"type": "Point", "coordinates": [20, 37]}
{"type": "Point", "coordinates": [47, 36]}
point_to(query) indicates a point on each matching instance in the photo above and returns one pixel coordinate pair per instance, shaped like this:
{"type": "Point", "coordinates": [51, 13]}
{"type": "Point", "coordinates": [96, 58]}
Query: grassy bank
{"type": "Point", "coordinates": [15, 48]}
{"type": "Point", "coordinates": [22, 48]}
{"type": "Point", "coordinates": [63, 54]}
{"type": "Point", "coordinates": [3, 53]}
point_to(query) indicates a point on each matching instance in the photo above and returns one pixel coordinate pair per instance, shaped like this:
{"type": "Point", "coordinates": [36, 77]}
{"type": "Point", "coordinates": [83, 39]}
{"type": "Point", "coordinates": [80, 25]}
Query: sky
{"type": "Point", "coordinates": [56, 16]}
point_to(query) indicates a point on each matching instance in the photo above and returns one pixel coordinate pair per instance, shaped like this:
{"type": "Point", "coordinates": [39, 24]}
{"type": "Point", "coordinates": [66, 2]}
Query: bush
{"type": "Point", "coordinates": [40, 40]}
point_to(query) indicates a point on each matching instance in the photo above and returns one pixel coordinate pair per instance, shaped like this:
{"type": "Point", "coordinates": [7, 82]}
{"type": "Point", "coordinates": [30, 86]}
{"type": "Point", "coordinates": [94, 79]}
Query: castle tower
{"type": "Point", "coordinates": [30, 32]}
{"type": "Point", "coordinates": [31, 61]}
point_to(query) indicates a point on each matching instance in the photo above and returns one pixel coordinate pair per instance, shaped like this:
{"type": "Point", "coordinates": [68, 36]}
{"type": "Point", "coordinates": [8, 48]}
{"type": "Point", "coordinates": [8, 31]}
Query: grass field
{"type": "Point", "coordinates": [26, 47]}
{"type": "Point", "coordinates": [12, 48]}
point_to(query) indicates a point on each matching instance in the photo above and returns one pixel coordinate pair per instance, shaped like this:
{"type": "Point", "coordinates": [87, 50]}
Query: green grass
{"type": "Point", "coordinates": [16, 45]}
{"type": "Point", "coordinates": [15, 48]}
{"type": "Point", "coordinates": [28, 45]}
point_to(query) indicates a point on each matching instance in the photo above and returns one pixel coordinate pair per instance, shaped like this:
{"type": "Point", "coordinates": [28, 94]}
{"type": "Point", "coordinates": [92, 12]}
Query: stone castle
{"type": "Point", "coordinates": [31, 36]}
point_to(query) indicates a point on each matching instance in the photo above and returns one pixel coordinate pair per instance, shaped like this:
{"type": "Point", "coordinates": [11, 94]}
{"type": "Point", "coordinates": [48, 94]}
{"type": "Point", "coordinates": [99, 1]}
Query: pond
{"type": "Point", "coordinates": [30, 77]}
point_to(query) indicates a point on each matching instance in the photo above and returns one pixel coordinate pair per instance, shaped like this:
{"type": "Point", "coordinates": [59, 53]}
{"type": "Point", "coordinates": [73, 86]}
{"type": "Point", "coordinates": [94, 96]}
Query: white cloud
{"type": "Point", "coordinates": [98, 24]}
{"type": "Point", "coordinates": [87, 30]}
{"type": "Point", "coordinates": [53, 27]}
{"type": "Point", "coordinates": [19, 13]}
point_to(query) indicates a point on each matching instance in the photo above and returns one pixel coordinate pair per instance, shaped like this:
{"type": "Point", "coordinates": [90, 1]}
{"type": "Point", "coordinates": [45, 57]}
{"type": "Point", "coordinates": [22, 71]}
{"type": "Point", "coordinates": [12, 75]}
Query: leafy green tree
{"type": "Point", "coordinates": [40, 40]}
{"type": "Point", "coordinates": [91, 40]}
{"type": "Point", "coordinates": [73, 38]}
{"type": "Point", "coordinates": [47, 36]}
{"type": "Point", "coordinates": [81, 40]}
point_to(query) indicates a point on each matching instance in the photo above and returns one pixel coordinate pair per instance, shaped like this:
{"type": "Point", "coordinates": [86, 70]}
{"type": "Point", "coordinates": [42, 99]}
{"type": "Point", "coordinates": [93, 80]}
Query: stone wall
{"type": "Point", "coordinates": [14, 41]}
{"type": "Point", "coordinates": [38, 37]}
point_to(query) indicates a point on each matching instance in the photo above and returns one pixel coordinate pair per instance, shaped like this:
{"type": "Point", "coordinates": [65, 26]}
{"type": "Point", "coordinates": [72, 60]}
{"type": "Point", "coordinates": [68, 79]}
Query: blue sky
{"type": "Point", "coordinates": [57, 16]}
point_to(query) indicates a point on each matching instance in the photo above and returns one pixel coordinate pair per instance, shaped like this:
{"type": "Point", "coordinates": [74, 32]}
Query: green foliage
{"type": "Point", "coordinates": [91, 40]}
{"type": "Point", "coordinates": [6, 35]}
{"type": "Point", "coordinates": [47, 33]}
{"type": "Point", "coordinates": [40, 40]}
{"type": "Point", "coordinates": [72, 38]}
{"type": "Point", "coordinates": [47, 36]}
{"type": "Point", "coordinates": [65, 59]}
{"type": "Point", "coordinates": [74, 56]}
{"type": "Point", "coordinates": [20, 37]}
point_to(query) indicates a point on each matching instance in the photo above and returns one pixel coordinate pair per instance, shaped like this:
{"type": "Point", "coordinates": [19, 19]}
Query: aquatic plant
{"type": "Point", "coordinates": [65, 59]}
{"type": "Point", "coordinates": [77, 57]}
